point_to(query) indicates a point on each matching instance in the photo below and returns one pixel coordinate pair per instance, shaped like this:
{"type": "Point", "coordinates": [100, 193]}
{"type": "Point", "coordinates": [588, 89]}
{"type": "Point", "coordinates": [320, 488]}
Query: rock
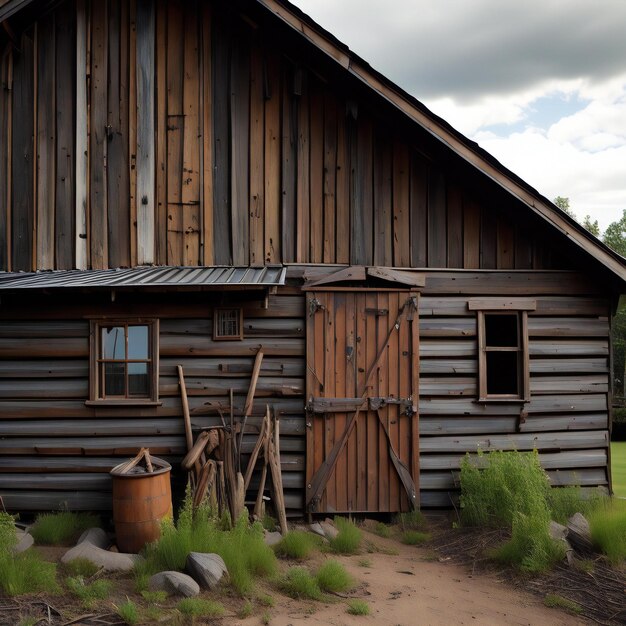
{"type": "Point", "coordinates": [272, 538]}
{"type": "Point", "coordinates": [316, 528]}
{"type": "Point", "coordinates": [579, 534]}
{"type": "Point", "coordinates": [174, 583]}
{"type": "Point", "coordinates": [329, 529]}
{"type": "Point", "coordinates": [110, 561]}
{"type": "Point", "coordinates": [96, 537]}
{"type": "Point", "coordinates": [557, 531]}
{"type": "Point", "coordinates": [206, 569]}
{"type": "Point", "coordinates": [24, 541]}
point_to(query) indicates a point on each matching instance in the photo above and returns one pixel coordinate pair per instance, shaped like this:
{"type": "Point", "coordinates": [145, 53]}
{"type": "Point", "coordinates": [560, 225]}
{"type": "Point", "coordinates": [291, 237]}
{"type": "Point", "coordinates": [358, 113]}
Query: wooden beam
{"type": "Point", "coordinates": [414, 279]}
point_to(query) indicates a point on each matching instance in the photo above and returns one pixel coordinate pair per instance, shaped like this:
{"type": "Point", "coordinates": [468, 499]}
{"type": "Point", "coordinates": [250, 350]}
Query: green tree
{"type": "Point", "coordinates": [615, 235]}
{"type": "Point", "coordinates": [563, 204]}
{"type": "Point", "coordinates": [592, 227]}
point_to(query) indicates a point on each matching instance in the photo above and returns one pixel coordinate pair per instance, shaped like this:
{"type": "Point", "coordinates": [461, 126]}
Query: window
{"type": "Point", "coordinates": [503, 368]}
{"type": "Point", "coordinates": [124, 361]}
{"type": "Point", "coordinates": [227, 324]}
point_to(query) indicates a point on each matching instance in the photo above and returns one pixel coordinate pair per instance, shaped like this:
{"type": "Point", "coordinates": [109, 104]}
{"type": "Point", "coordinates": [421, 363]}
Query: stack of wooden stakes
{"type": "Point", "coordinates": [214, 459]}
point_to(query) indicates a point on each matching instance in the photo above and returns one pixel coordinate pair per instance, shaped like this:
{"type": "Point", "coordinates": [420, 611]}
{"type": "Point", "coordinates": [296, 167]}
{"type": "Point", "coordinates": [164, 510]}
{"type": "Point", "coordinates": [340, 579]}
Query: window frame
{"type": "Point", "coordinates": [96, 395]}
{"type": "Point", "coordinates": [218, 337]}
{"type": "Point", "coordinates": [503, 307]}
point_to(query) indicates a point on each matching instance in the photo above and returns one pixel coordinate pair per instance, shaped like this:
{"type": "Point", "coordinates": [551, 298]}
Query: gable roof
{"type": "Point", "coordinates": [438, 128]}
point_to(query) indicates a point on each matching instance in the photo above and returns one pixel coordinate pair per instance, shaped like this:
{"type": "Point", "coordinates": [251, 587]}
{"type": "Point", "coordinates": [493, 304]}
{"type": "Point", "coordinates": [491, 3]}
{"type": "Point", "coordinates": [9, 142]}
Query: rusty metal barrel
{"type": "Point", "coordinates": [141, 500]}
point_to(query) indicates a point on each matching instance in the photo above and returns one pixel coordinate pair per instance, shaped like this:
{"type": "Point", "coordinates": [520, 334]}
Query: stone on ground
{"type": "Point", "coordinates": [110, 561]}
{"type": "Point", "coordinates": [316, 528]}
{"type": "Point", "coordinates": [174, 583]}
{"type": "Point", "coordinates": [24, 541]}
{"type": "Point", "coordinates": [96, 537]}
{"type": "Point", "coordinates": [272, 538]}
{"type": "Point", "coordinates": [329, 529]}
{"type": "Point", "coordinates": [206, 569]}
{"type": "Point", "coordinates": [579, 534]}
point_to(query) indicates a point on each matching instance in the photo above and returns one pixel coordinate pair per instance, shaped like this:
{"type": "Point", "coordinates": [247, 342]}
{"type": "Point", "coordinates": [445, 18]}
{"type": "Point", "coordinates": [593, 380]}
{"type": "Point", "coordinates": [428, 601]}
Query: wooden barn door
{"type": "Point", "coordinates": [362, 390]}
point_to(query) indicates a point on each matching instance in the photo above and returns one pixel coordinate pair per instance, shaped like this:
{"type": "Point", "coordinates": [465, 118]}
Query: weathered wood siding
{"type": "Point", "coordinates": [566, 419]}
{"type": "Point", "coordinates": [55, 451]}
{"type": "Point", "coordinates": [181, 134]}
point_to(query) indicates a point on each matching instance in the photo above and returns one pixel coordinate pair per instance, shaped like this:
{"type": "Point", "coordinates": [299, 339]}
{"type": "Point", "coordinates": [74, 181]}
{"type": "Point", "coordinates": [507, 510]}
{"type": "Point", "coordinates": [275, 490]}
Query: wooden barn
{"type": "Point", "coordinates": [187, 183]}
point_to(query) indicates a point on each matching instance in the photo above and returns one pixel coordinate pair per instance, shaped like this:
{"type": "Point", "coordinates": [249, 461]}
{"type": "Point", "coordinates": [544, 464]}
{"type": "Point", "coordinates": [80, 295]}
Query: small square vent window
{"type": "Point", "coordinates": [227, 324]}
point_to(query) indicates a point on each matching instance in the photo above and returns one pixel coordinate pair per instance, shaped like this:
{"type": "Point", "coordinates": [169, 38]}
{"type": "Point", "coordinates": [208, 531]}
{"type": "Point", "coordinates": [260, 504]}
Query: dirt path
{"type": "Point", "coordinates": [411, 588]}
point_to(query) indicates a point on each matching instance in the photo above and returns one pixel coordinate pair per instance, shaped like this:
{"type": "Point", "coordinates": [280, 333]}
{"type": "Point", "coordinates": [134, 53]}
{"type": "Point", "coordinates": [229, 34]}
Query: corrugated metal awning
{"type": "Point", "coordinates": [146, 277]}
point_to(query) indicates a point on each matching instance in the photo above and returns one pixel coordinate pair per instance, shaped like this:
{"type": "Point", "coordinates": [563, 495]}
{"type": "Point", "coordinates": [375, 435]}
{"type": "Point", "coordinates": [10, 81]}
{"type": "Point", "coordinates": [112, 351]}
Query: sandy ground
{"type": "Point", "coordinates": [410, 588]}
{"type": "Point", "coordinates": [413, 589]}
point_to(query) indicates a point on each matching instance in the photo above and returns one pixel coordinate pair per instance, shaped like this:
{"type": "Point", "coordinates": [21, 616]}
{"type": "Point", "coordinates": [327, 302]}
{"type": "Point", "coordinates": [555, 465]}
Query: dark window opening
{"type": "Point", "coordinates": [501, 330]}
{"type": "Point", "coordinates": [502, 373]}
{"type": "Point", "coordinates": [502, 355]}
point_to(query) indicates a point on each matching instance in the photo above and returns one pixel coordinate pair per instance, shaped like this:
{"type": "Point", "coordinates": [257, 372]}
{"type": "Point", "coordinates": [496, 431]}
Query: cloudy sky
{"type": "Point", "coordinates": [541, 84]}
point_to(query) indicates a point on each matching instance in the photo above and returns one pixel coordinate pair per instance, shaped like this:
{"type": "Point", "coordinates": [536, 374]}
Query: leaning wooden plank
{"type": "Point", "coordinates": [253, 382]}
{"type": "Point", "coordinates": [196, 450]}
{"type": "Point", "coordinates": [274, 462]}
{"type": "Point", "coordinates": [145, 132]}
{"type": "Point", "coordinates": [255, 452]}
{"type": "Point", "coordinates": [81, 137]}
{"type": "Point", "coordinates": [187, 420]}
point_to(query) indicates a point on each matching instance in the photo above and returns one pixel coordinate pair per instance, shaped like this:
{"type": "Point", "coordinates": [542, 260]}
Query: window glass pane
{"type": "Point", "coordinates": [137, 342]}
{"type": "Point", "coordinates": [114, 375]}
{"type": "Point", "coordinates": [502, 373]}
{"type": "Point", "coordinates": [501, 330]}
{"type": "Point", "coordinates": [113, 343]}
{"type": "Point", "coordinates": [138, 381]}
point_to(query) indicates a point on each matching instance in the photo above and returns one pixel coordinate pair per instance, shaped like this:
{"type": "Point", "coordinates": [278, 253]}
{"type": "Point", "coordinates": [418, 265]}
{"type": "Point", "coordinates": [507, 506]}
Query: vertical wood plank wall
{"type": "Point", "coordinates": [204, 143]}
{"type": "Point", "coordinates": [56, 452]}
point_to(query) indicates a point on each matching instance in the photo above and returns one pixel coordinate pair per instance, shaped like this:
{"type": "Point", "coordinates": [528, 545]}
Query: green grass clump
{"type": "Point", "coordinates": [25, 572]}
{"type": "Point", "coordinates": [414, 537]}
{"type": "Point", "coordinates": [332, 576]}
{"type": "Point", "coordinates": [348, 539]}
{"type": "Point", "coordinates": [296, 544]}
{"type": "Point", "coordinates": [531, 549]}
{"type": "Point", "coordinates": [242, 548]}
{"type": "Point", "coordinates": [563, 502]}
{"type": "Point", "coordinates": [555, 601]}
{"type": "Point", "coordinates": [618, 467]}
{"type": "Point", "coordinates": [246, 610]}
{"type": "Point", "coordinates": [90, 593]}
{"type": "Point", "coordinates": [358, 607]}
{"type": "Point", "coordinates": [511, 490]}
{"type": "Point", "coordinates": [198, 607]}
{"type": "Point", "coordinates": [129, 612]}
{"type": "Point", "coordinates": [498, 486]}
{"type": "Point", "coordinates": [154, 597]}
{"type": "Point", "coordinates": [382, 530]}
{"type": "Point", "coordinates": [365, 562]}
{"type": "Point", "coordinates": [608, 529]}
{"type": "Point", "coordinates": [299, 583]}
{"type": "Point", "coordinates": [411, 520]}
{"type": "Point", "coordinates": [266, 600]}
{"type": "Point", "coordinates": [80, 567]}
{"type": "Point", "coordinates": [63, 528]}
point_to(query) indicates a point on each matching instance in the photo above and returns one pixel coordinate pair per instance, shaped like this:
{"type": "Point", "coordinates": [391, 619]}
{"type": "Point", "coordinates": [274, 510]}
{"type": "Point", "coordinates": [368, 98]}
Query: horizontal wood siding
{"type": "Point", "coordinates": [211, 139]}
{"type": "Point", "coordinates": [53, 446]}
{"type": "Point", "coordinates": [566, 420]}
